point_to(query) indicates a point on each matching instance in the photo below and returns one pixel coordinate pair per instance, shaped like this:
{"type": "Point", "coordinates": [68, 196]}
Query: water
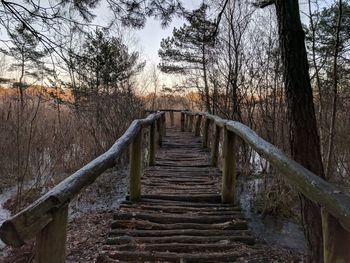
{"type": "Point", "coordinates": [4, 213]}
{"type": "Point", "coordinates": [271, 229]}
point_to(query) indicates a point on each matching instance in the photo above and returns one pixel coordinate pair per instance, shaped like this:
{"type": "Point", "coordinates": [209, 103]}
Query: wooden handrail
{"type": "Point", "coordinates": [45, 214]}
{"type": "Point", "coordinates": [330, 197]}
{"type": "Point", "coordinates": [165, 110]}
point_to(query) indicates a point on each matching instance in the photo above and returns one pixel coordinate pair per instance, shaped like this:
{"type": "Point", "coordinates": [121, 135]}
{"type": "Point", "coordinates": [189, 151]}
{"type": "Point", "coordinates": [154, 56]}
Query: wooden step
{"type": "Point", "coordinates": [180, 217]}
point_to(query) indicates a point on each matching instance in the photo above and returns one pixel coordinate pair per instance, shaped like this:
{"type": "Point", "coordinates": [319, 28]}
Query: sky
{"type": "Point", "coordinates": [147, 41]}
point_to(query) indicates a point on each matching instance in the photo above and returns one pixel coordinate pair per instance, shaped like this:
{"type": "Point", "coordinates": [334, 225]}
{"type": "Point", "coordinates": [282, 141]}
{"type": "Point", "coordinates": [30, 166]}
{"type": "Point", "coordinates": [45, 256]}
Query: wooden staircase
{"type": "Point", "coordinates": [180, 217]}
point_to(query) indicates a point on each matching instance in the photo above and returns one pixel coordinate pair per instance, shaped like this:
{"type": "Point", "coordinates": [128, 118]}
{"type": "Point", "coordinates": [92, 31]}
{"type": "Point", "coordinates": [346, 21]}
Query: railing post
{"type": "Point", "coordinates": [152, 147]}
{"type": "Point", "coordinates": [186, 122]}
{"type": "Point", "coordinates": [171, 118]}
{"type": "Point", "coordinates": [191, 123]}
{"type": "Point", "coordinates": [50, 245]}
{"type": "Point", "coordinates": [135, 167]}
{"type": "Point", "coordinates": [159, 131]}
{"type": "Point", "coordinates": [197, 131]}
{"type": "Point", "coordinates": [336, 239]}
{"type": "Point", "coordinates": [182, 121]}
{"type": "Point", "coordinates": [205, 132]}
{"type": "Point", "coordinates": [215, 145]}
{"type": "Point", "coordinates": [229, 167]}
{"type": "Point", "coordinates": [163, 121]}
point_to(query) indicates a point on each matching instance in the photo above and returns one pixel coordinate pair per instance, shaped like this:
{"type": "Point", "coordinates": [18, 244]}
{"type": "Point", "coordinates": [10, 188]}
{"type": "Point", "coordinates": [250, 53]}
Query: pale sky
{"type": "Point", "coordinates": [147, 40]}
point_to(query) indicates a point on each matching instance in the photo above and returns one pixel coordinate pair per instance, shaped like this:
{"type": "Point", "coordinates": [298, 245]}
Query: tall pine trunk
{"type": "Point", "coordinates": [327, 239]}
{"type": "Point", "coordinates": [304, 139]}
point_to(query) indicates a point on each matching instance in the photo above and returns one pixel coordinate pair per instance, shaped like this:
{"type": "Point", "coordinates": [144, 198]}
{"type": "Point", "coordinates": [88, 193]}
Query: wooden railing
{"type": "Point", "coordinates": [46, 219]}
{"type": "Point", "coordinates": [331, 199]}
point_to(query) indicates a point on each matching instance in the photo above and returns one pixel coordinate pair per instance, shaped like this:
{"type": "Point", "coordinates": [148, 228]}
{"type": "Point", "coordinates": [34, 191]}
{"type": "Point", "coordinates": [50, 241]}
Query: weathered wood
{"type": "Point", "coordinates": [182, 121]}
{"type": "Point", "coordinates": [312, 186]}
{"type": "Point", "coordinates": [180, 204]}
{"type": "Point", "coordinates": [217, 120]}
{"type": "Point", "coordinates": [152, 146]}
{"type": "Point", "coordinates": [164, 110]}
{"type": "Point", "coordinates": [28, 222]}
{"type": "Point", "coordinates": [163, 121]}
{"type": "Point", "coordinates": [190, 128]}
{"type": "Point", "coordinates": [179, 211]}
{"type": "Point", "coordinates": [229, 168]}
{"type": "Point", "coordinates": [148, 256]}
{"type": "Point", "coordinates": [336, 239]}
{"type": "Point", "coordinates": [145, 224]}
{"type": "Point", "coordinates": [214, 198]}
{"type": "Point", "coordinates": [187, 121]}
{"type": "Point", "coordinates": [179, 247]}
{"type": "Point", "coordinates": [215, 145]}
{"type": "Point", "coordinates": [177, 232]}
{"type": "Point", "coordinates": [182, 239]}
{"type": "Point", "coordinates": [24, 225]}
{"type": "Point", "coordinates": [160, 132]}
{"type": "Point", "coordinates": [197, 131]}
{"type": "Point", "coordinates": [50, 245]}
{"type": "Point", "coordinates": [169, 218]}
{"type": "Point", "coordinates": [179, 208]}
{"type": "Point", "coordinates": [135, 168]}
{"type": "Point", "coordinates": [172, 123]}
{"type": "Point", "coordinates": [206, 132]}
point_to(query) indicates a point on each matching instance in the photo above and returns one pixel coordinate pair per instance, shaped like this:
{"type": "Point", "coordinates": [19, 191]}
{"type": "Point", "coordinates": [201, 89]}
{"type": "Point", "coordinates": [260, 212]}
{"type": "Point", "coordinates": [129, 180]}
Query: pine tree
{"type": "Point", "coordinates": [28, 59]}
{"type": "Point", "coordinates": [190, 48]}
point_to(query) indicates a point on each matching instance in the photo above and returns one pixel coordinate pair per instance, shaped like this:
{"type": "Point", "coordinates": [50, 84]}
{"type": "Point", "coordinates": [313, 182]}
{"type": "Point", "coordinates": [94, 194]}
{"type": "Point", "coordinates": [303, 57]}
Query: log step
{"type": "Point", "coordinates": [154, 256]}
{"type": "Point", "coordinates": [180, 217]}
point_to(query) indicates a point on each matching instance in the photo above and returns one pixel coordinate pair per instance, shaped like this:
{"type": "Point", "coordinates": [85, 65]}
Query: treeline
{"type": "Point", "coordinates": [235, 64]}
{"type": "Point", "coordinates": [72, 114]}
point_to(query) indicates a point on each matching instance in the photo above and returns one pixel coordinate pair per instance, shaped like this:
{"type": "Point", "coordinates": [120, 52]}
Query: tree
{"type": "Point", "coordinates": [45, 19]}
{"type": "Point", "coordinates": [304, 139]}
{"type": "Point", "coordinates": [330, 39]}
{"type": "Point", "coordinates": [234, 24]}
{"type": "Point", "coordinates": [105, 65]}
{"type": "Point", "coordinates": [189, 49]}
{"type": "Point", "coordinates": [27, 56]}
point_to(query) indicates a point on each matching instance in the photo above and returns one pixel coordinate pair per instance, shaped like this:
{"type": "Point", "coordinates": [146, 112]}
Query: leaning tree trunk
{"type": "Point", "coordinates": [304, 139]}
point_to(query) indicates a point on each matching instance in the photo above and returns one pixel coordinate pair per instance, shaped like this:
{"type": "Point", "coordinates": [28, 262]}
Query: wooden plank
{"type": "Point", "coordinates": [312, 186]}
{"type": "Point", "coordinates": [215, 145]}
{"type": "Point", "coordinates": [236, 224]}
{"type": "Point", "coordinates": [147, 256]}
{"type": "Point", "coordinates": [152, 145]}
{"type": "Point", "coordinates": [206, 132]}
{"type": "Point", "coordinates": [181, 239]}
{"type": "Point", "coordinates": [28, 222]}
{"type": "Point", "coordinates": [135, 168]}
{"type": "Point", "coordinates": [198, 126]}
{"type": "Point", "coordinates": [229, 168]}
{"type": "Point", "coordinates": [50, 245]}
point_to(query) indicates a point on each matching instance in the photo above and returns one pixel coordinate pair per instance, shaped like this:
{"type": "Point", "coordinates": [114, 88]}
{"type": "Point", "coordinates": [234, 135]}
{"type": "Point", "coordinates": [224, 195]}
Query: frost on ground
{"type": "Point", "coordinates": [90, 217]}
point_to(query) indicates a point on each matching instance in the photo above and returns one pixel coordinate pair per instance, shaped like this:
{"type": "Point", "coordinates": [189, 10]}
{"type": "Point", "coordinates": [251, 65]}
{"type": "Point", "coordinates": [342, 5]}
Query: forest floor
{"type": "Point", "coordinates": [91, 215]}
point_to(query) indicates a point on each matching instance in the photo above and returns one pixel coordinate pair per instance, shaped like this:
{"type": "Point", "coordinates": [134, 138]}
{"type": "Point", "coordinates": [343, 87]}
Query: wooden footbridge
{"type": "Point", "coordinates": [181, 207]}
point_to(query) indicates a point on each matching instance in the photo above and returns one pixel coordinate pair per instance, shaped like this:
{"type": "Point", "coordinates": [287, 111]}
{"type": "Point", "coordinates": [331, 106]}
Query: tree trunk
{"type": "Point", "coordinates": [304, 139]}
{"type": "Point", "coordinates": [317, 75]}
{"type": "Point", "coordinates": [329, 163]}
{"type": "Point", "coordinates": [205, 78]}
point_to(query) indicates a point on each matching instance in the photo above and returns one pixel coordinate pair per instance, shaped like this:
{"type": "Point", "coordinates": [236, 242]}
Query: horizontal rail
{"type": "Point", "coordinates": [330, 197]}
{"type": "Point", "coordinates": [166, 110]}
{"type": "Point", "coordinates": [28, 222]}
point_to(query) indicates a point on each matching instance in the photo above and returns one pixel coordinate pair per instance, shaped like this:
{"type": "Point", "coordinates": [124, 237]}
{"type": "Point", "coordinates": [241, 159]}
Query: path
{"type": "Point", "coordinates": [180, 217]}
